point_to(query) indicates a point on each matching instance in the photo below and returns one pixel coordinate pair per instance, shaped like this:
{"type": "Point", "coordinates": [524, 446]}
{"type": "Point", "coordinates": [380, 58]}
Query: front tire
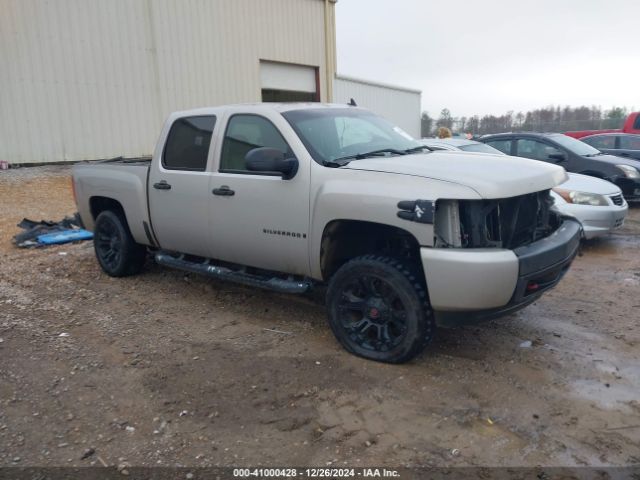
{"type": "Point", "coordinates": [378, 309]}
{"type": "Point", "coordinates": [117, 252]}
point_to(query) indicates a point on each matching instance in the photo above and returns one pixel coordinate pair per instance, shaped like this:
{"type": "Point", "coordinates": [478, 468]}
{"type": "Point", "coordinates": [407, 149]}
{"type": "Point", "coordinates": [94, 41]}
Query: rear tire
{"type": "Point", "coordinates": [378, 309]}
{"type": "Point", "coordinates": [117, 252]}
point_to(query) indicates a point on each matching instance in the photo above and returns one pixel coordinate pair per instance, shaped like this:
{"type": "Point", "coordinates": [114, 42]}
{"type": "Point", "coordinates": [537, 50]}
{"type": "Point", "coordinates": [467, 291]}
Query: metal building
{"type": "Point", "coordinates": [94, 79]}
{"type": "Point", "coordinates": [398, 104]}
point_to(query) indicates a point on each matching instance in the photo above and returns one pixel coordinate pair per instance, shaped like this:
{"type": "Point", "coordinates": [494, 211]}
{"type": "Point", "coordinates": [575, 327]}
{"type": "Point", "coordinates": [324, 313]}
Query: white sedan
{"type": "Point", "coordinates": [597, 204]}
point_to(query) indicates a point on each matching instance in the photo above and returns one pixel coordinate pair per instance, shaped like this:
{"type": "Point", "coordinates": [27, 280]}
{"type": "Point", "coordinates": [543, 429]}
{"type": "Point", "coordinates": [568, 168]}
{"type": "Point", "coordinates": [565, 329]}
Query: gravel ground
{"type": "Point", "coordinates": [172, 369]}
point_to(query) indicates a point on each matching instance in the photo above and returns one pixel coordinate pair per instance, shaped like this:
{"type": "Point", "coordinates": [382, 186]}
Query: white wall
{"type": "Point", "coordinates": [399, 105]}
{"type": "Point", "coordinates": [91, 79]}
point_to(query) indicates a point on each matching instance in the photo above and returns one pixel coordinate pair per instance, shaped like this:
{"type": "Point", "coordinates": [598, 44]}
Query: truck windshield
{"type": "Point", "coordinates": [576, 146]}
{"type": "Point", "coordinates": [332, 135]}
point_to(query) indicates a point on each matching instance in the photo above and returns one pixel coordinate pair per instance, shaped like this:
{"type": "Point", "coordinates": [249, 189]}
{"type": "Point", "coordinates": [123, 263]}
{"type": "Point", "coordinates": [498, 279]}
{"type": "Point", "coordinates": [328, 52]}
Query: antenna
{"type": "Point", "coordinates": [352, 103]}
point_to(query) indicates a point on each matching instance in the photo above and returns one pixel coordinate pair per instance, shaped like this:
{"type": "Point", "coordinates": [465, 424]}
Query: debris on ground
{"type": "Point", "coordinates": [87, 453]}
{"type": "Point", "coordinates": [47, 232]}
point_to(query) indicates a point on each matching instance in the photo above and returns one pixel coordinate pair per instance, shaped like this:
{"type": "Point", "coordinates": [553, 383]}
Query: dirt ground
{"type": "Point", "coordinates": [173, 369]}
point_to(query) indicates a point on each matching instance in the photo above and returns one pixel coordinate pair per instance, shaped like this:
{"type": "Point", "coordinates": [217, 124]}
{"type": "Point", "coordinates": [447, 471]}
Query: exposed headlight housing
{"type": "Point", "coordinates": [629, 171]}
{"type": "Point", "coordinates": [582, 198]}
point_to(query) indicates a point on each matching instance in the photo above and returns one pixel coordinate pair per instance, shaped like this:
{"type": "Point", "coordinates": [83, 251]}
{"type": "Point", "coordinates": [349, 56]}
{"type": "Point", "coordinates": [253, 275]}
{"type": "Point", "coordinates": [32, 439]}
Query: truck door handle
{"type": "Point", "coordinates": [224, 191]}
{"type": "Point", "coordinates": [162, 185]}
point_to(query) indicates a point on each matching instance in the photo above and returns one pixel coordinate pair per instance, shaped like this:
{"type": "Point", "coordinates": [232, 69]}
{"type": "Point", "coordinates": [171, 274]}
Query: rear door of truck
{"type": "Point", "coordinates": [178, 186]}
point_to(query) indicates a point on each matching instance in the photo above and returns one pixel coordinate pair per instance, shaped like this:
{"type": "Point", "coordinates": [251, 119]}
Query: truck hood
{"type": "Point", "coordinates": [491, 176]}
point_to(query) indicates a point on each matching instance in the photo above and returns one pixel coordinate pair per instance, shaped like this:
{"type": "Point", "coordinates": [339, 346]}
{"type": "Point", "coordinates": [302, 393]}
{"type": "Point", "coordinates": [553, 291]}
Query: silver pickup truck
{"type": "Point", "coordinates": [288, 196]}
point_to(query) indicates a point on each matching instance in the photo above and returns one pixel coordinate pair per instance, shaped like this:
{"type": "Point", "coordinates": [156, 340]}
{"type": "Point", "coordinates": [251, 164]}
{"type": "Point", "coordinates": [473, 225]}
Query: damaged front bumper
{"type": "Point", "coordinates": [470, 285]}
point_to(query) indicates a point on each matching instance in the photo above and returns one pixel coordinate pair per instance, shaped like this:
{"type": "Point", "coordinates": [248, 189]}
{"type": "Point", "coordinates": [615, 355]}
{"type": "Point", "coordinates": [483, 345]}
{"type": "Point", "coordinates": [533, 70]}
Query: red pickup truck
{"type": "Point", "coordinates": [631, 125]}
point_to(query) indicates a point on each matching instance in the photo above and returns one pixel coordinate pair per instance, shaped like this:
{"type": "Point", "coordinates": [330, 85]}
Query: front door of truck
{"type": "Point", "coordinates": [179, 187]}
{"type": "Point", "coordinates": [258, 219]}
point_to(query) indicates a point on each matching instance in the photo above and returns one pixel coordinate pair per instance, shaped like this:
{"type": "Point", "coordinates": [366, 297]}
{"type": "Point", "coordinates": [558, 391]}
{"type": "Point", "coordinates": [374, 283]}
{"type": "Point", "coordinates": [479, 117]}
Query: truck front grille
{"type": "Point", "coordinates": [507, 223]}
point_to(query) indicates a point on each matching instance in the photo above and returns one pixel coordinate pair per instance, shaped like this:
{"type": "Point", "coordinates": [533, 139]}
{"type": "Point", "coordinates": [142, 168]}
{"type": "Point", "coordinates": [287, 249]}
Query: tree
{"type": "Point", "coordinates": [617, 113]}
{"type": "Point", "coordinates": [462, 124]}
{"type": "Point", "coordinates": [473, 125]}
{"type": "Point", "coordinates": [547, 119]}
{"type": "Point", "coordinates": [426, 125]}
{"type": "Point", "coordinates": [445, 119]}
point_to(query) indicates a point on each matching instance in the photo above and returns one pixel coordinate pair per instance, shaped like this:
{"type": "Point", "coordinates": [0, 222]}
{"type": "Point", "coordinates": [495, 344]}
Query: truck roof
{"type": "Point", "coordinates": [273, 106]}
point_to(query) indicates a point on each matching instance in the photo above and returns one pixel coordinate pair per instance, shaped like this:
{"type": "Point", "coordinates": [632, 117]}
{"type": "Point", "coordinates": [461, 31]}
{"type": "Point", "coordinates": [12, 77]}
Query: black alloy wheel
{"type": "Point", "coordinates": [117, 252]}
{"type": "Point", "coordinates": [379, 310]}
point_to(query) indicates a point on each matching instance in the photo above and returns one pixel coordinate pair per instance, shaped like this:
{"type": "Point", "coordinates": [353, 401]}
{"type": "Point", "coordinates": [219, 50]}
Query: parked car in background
{"type": "Point", "coordinates": [620, 144]}
{"type": "Point", "coordinates": [597, 204]}
{"type": "Point", "coordinates": [459, 144]}
{"type": "Point", "coordinates": [575, 156]}
{"type": "Point", "coordinates": [631, 125]}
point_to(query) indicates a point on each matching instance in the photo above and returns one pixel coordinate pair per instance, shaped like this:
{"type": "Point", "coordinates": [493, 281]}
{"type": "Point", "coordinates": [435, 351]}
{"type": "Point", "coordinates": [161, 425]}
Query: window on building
{"type": "Point", "coordinates": [244, 133]}
{"type": "Point", "coordinates": [188, 143]}
{"type": "Point", "coordinates": [285, 82]}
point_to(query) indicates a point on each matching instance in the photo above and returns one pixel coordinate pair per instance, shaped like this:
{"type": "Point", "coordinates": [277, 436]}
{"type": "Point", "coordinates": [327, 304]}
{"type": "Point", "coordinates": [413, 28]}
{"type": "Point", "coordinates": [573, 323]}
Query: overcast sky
{"type": "Point", "coordinates": [491, 56]}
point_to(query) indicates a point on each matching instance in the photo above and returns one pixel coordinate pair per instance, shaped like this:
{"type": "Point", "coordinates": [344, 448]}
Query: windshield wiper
{"type": "Point", "coordinates": [373, 153]}
{"type": "Point", "coordinates": [333, 164]}
{"type": "Point", "coordinates": [418, 149]}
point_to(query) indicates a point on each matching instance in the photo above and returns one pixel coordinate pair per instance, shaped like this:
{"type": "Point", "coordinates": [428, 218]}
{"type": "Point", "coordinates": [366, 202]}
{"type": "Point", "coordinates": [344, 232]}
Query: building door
{"type": "Point", "coordinates": [285, 82]}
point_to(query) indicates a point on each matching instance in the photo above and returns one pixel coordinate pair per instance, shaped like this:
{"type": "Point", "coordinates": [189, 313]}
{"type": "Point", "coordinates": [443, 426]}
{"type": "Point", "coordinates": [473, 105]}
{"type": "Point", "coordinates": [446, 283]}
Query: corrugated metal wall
{"type": "Point", "coordinates": [399, 105]}
{"type": "Point", "coordinates": [90, 79]}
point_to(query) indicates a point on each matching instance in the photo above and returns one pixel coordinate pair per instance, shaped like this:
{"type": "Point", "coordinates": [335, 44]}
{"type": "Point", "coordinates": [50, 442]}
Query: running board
{"type": "Point", "coordinates": [222, 273]}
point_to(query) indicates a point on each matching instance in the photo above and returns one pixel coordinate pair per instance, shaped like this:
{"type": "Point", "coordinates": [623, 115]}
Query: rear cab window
{"type": "Point", "coordinates": [187, 146]}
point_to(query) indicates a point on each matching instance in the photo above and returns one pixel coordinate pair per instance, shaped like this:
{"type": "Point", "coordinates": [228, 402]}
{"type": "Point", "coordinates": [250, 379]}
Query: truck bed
{"type": "Point", "coordinates": [126, 161]}
{"type": "Point", "coordinates": [121, 179]}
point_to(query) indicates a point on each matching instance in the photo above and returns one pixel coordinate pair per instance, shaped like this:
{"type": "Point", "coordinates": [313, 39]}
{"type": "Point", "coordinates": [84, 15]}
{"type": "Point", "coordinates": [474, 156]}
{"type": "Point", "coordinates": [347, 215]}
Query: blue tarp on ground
{"type": "Point", "coordinates": [46, 232]}
{"type": "Point", "coordinates": [64, 236]}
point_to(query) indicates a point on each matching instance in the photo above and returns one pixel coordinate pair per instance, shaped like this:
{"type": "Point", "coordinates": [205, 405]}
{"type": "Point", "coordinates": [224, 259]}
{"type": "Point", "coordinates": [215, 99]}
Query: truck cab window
{"type": "Point", "coordinates": [244, 133]}
{"type": "Point", "coordinates": [188, 143]}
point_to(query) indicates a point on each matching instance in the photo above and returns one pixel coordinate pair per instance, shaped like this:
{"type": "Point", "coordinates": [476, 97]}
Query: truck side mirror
{"type": "Point", "coordinates": [267, 159]}
{"type": "Point", "coordinates": [558, 157]}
